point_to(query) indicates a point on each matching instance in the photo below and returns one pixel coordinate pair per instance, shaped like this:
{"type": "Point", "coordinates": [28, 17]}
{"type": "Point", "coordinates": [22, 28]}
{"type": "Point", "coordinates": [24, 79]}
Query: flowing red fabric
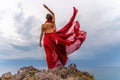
{"type": "Point", "coordinates": [59, 44]}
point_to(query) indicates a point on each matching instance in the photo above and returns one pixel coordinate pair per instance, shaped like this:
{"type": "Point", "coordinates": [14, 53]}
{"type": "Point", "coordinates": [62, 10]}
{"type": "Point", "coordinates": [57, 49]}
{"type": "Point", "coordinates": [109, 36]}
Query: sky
{"type": "Point", "coordinates": [20, 23]}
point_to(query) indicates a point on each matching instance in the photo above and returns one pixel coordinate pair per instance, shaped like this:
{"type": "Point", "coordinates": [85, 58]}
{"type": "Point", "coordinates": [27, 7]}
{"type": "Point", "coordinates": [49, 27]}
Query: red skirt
{"type": "Point", "coordinates": [58, 45]}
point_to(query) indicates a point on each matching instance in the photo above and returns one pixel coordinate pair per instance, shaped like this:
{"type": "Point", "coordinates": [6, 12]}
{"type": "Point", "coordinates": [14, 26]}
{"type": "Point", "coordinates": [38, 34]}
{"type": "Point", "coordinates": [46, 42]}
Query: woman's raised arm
{"type": "Point", "coordinates": [53, 15]}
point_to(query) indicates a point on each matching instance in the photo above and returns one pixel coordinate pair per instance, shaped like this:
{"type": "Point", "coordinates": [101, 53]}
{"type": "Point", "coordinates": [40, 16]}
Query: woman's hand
{"type": "Point", "coordinates": [45, 6]}
{"type": "Point", "coordinates": [40, 44]}
{"type": "Point", "coordinates": [48, 9]}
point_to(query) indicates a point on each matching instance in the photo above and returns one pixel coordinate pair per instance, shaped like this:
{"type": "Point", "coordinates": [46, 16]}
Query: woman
{"type": "Point", "coordinates": [59, 44]}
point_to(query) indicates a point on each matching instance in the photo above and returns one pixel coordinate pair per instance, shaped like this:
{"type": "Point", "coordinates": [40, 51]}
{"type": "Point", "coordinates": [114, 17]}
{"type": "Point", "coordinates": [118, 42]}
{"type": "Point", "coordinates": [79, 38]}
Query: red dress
{"type": "Point", "coordinates": [59, 44]}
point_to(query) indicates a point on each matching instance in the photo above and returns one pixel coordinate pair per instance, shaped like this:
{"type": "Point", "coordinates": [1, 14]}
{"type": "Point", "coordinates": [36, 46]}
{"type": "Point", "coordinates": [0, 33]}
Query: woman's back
{"type": "Point", "coordinates": [48, 27]}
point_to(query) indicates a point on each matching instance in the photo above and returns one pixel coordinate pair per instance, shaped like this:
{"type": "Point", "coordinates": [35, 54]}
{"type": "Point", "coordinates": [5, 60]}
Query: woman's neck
{"type": "Point", "coordinates": [48, 21]}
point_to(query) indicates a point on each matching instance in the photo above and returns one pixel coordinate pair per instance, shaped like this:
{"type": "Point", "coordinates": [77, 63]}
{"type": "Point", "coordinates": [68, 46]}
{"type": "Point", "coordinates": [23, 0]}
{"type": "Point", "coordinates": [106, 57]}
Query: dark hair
{"type": "Point", "coordinates": [48, 17]}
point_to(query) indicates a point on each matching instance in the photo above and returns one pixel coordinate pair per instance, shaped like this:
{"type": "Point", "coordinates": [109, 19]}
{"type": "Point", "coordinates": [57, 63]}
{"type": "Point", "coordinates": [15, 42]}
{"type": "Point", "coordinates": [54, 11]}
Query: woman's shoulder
{"type": "Point", "coordinates": [48, 23]}
{"type": "Point", "coordinates": [45, 25]}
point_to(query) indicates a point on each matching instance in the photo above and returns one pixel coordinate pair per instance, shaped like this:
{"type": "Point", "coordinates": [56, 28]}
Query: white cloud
{"type": "Point", "coordinates": [98, 18]}
{"type": "Point", "coordinates": [9, 29]}
{"type": "Point", "coordinates": [37, 54]}
{"type": "Point", "coordinates": [14, 53]}
{"type": "Point", "coordinates": [18, 30]}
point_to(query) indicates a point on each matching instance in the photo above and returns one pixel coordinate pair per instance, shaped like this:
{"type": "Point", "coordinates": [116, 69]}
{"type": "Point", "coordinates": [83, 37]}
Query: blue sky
{"type": "Point", "coordinates": [20, 22]}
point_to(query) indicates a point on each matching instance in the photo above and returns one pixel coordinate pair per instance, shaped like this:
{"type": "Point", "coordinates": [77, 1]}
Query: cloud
{"type": "Point", "coordinates": [28, 28]}
{"type": "Point", "coordinates": [101, 23]}
{"type": "Point", "coordinates": [18, 54]}
{"type": "Point", "coordinates": [19, 36]}
{"type": "Point", "coordinates": [100, 20]}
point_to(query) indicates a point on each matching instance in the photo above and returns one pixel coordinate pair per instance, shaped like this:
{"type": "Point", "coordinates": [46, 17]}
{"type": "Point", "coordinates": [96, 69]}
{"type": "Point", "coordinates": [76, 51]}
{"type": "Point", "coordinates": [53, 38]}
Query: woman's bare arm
{"type": "Point", "coordinates": [53, 15]}
{"type": "Point", "coordinates": [48, 9]}
{"type": "Point", "coordinates": [41, 35]}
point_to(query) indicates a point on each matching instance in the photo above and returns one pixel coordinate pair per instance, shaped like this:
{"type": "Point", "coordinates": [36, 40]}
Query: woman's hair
{"type": "Point", "coordinates": [48, 17]}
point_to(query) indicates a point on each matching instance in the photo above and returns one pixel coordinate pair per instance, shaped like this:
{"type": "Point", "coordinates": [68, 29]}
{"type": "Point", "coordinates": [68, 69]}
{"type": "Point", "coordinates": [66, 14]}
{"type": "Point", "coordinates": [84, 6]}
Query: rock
{"type": "Point", "coordinates": [72, 66]}
{"type": "Point", "coordinates": [60, 73]}
{"type": "Point", "coordinates": [7, 76]}
{"type": "Point", "coordinates": [25, 73]}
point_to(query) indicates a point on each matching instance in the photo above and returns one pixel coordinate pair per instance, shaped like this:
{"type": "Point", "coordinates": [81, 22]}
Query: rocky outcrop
{"type": "Point", "coordinates": [60, 73]}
